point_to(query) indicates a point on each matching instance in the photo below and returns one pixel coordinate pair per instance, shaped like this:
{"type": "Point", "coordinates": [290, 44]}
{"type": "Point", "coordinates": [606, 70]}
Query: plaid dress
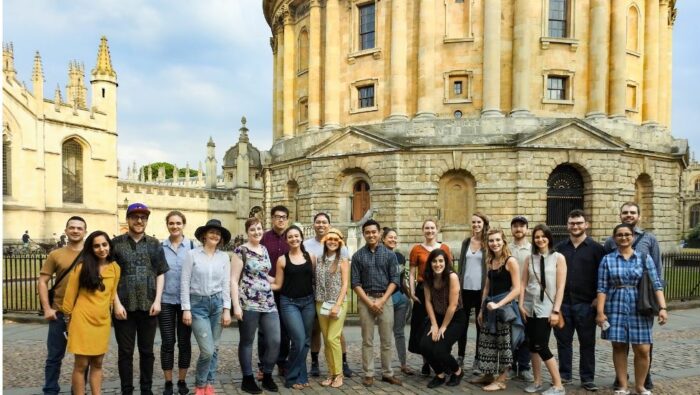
{"type": "Point", "coordinates": [617, 279]}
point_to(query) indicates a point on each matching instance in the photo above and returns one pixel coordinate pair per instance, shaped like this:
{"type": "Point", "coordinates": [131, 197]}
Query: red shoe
{"type": "Point", "coordinates": [209, 390]}
{"type": "Point", "coordinates": [199, 391]}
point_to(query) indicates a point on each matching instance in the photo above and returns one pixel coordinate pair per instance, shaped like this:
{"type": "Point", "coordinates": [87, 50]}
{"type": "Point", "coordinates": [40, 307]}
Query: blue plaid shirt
{"type": "Point", "coordinates": [374, 271]}
{"type": "Point", "coordinates": [647, 243]}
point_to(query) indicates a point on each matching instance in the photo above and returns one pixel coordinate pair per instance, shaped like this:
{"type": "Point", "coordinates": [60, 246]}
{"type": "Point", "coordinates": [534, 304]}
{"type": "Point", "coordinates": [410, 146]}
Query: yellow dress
{"type": "Point", "coordinates": [91, 316]}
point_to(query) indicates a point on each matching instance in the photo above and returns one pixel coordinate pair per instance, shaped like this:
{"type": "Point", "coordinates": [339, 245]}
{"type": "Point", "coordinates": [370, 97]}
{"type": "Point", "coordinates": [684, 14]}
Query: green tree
{"type": "Point", "coordinates": [168, 170]}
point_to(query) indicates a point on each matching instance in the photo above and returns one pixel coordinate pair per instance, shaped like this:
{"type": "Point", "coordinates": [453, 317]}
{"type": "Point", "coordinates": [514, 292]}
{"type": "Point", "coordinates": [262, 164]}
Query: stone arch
{"type": "Point", "coordinates": [72, 159]}
{"type": "Point", "coordinates": [566, 191]}
{"type": "Point", "coordinates": [6, 160]}
{"type": "Point", "coordinates": [457, 202]}
{"type": "Point", "coordinates": [292, 199]}
{"type": "Point", "coordinates": [303, 49]}
{"type": "Point", "coordinates": [644, 197]}
{"type": "Point", "coordinates": [633, 30]}
{"type": "Point", "coordinates": [694, 219]}
{"type": "Point", "coordinates": [355, 196]}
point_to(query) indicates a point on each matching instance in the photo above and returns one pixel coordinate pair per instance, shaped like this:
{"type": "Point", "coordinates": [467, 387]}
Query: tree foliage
{"type": "Point", "coordinates": [168, 170]}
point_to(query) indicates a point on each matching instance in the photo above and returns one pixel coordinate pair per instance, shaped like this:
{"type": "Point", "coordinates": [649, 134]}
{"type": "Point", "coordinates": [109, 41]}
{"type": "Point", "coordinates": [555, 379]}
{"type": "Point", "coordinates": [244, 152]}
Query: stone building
{"type": "Point", "coordinates": [60, 159]}
{"type": "Point", "coordinates": [690, 196]}
{"type": "Point", "coordinates": [439, 108]}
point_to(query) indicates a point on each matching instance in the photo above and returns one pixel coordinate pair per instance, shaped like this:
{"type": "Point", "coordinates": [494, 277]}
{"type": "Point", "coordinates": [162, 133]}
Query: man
{"type": "Point", "coordinates": [143, 265]}
{"type": "Point", "coordinates": [277, 246]}
{"type": "Point", "coordinates": [374, 277]}
{"type": "Point", "coordinates": [645, 243]}
{"type": "Point", "coordinates": [59, 263]}
{"type": "Point", "coordinates": [322, 223]}
{"type": "Point", "coordinates": [25, 240]}
{"type": "Point", "coordinates": [521, 248]}
{"type": "Point", "coordinates": [583, 256]}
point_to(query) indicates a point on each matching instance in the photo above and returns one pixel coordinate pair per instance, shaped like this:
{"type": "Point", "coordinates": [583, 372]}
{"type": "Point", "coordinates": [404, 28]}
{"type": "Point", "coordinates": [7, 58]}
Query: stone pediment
{"type": "Point", "coordinates": [353, 141]}
{"type": "Point", "coordinates": [573, 134]}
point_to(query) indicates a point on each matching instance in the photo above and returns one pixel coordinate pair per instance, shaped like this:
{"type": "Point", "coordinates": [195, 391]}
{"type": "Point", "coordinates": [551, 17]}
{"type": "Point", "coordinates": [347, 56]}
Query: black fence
{"type": "Point", "coordinates": [21, 273]}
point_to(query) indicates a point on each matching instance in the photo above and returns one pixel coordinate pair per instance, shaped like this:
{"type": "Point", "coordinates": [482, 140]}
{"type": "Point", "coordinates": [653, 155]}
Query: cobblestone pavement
{"type": "Point", "coordinates": [676, 366]}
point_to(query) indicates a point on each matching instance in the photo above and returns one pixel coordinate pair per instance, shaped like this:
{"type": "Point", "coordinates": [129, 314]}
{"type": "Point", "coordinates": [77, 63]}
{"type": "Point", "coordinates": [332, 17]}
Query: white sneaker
{"type": "Point", "coordinates": [534, 387]}
{"type": "Point", "coordinates": [555, 391]}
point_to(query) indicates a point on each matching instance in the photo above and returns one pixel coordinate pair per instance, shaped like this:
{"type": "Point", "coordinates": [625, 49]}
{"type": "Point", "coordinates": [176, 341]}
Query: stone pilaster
{"type": "Point", "coordinates": [492, 59]}
{"type": "Point", "coordinates": [598, 48]}
{"type": "Point", "coordinates": [315, 65]}
{"type": "Point", "coordinates": [521, 60]}
{"type": "Point", "coordinates": [399, 67]}
{"type": "Point", "coordinates": [618, 54]}
{"type": "Point", "coordinates": [650, 99]}
{"type": "Point", "coordinates": [332, 67]}
{"type": "Point", "coordinates": [289, 74]}
{"type": "Point", "coordinates": [426, 60]}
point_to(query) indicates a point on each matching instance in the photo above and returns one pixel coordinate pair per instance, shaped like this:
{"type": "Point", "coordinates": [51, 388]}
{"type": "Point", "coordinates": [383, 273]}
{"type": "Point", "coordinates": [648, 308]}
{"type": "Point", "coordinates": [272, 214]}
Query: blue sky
{"type": "Point", "coordinates": [188, 70]}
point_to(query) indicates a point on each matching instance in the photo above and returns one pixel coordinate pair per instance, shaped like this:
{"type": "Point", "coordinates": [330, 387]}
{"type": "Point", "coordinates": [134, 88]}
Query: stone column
{"type": "Point", "coordinates": [598, 48]}
{"type": "Point", "coordinates": [521, 60]}
{"type": "Point", "coordinates": [275, 78]}
{"type": "Point", "coordinates": [289, 75]}
{"type": "Point", "coordinates": [618, 54]}
{"type": "Point", "coordinates": [332, 67]}
{"type": "Point", "coordinates": [399, 65]}
{"type": "Point", "coordinates": [492, 59]}
{"type": "Point", "coordinates": [279, 83]}
{"type": "Point", "coordinates": [315, 65]}
{"type": "Point", "coordinates": [426, 60]}
{"type": "Point", "coordinates": [664, 64]}
{"type": "Point", "coordinates": [650, 99]}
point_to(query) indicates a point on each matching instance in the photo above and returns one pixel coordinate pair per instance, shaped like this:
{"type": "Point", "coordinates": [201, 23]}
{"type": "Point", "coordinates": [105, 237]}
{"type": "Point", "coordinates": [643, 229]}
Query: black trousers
{"type": "Point", "coordinates": [471, 300]}
{"type": "Point", "coordinates": [171, 330]}
{"type": "Point", "coordinates": [285, 341]}
{"type": "Point", "coordinates": [438, 353]}
{"type": "Point", "coordinates": [418, 321]}
{"type": "Point", "coordinates": [138, 328]}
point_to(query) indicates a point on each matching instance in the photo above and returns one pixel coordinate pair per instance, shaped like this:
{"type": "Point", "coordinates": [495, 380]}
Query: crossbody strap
{"type": "Point", "coordinates": [532, 258]}
{"type": "Point", "coordinates": [64, 274]}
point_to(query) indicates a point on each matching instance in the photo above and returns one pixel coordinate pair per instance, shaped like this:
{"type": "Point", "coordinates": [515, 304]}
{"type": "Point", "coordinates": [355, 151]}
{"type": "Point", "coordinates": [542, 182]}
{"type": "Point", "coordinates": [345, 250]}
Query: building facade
{"type": "Point", "coordinates": [439, 108]}
{"type": "Point", "coordinates": [690, 196]}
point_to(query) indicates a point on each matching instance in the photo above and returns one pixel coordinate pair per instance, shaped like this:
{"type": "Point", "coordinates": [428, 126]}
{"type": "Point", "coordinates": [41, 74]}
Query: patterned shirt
{"type": "Point", "coordinates": [276, 246]}
{"type": "Point", "coordinates": [644, 242]}
{"type": "Point", "coordinates": [254, 290]}
{"type": "Point", "coordinates": [374, 271]}
{"type": "Point", "coordinates": [140, 264]}
{"type": "Point", "coordinates": [171, 290]}
{"type": "Point", "coordinates": [328, 284]}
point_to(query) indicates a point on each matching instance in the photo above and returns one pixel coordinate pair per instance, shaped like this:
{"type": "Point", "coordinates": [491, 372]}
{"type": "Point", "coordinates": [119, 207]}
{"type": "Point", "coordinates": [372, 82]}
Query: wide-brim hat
{"type": "Point", "coordinates": [336, 232]}
{"type": "Point", "coordinates": [213, 224]}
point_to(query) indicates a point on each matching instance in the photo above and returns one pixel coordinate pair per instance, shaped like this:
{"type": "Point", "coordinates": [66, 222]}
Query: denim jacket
{"type": "Point", "coordinates": [508, 314]}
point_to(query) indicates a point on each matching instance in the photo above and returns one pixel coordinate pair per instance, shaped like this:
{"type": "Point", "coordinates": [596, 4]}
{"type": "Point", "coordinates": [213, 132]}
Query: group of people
{"type": "Point", "coordinates": [292, 292]}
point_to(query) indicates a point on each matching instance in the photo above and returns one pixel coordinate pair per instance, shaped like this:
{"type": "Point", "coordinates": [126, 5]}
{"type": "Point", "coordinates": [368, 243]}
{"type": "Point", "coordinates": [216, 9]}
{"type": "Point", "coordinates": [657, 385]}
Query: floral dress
{"type": "Point", "coordinates": [618, 278]}
{"type": "Point", "coordinates": [255, 293]}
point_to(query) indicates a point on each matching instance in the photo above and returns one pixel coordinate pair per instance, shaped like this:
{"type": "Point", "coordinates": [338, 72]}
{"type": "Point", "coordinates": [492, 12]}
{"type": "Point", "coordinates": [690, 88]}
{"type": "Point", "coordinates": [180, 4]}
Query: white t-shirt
{"type": "Point", "coordinates": [315, 247]}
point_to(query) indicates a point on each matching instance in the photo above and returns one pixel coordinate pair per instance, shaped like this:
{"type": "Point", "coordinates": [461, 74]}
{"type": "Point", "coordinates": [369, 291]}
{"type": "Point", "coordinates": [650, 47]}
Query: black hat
{"type": "Point", "coordinates": [213, 224]}
{"type": "Point", "coordinates": [518, 218]}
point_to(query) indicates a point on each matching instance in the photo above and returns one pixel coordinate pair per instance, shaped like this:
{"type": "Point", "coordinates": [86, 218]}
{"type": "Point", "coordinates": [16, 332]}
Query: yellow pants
{"type": "Point", "coordinates": [332, 329]}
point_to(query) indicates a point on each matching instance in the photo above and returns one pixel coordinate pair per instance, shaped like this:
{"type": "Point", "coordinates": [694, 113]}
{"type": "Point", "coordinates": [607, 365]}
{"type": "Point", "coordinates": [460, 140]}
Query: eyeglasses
{"type": "Point", "coordinates": [624, 235]}
{"type": "Point", "coordinates": [580, 223]}
{"type": "Point", "coordinates": [279, 217]}
{"type": "Point", "coordinates": [143, 218]}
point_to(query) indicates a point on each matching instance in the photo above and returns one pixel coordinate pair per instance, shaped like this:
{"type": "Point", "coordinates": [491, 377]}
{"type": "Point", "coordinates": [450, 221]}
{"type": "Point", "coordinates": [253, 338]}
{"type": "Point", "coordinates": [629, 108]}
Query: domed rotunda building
{"type": "Point", "coordinates": [409, 109]}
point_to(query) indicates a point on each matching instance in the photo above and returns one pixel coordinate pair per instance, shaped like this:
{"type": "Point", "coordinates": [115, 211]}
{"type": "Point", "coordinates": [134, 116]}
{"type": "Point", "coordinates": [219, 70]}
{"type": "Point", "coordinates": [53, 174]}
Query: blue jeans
{"type": "Point", "coordinates": [401, 307]}
{"type": "Point", "coordinates": [268, 323]}
{"type": "Point", "coordinates": [581, 318]}
{"type": "Point", "coordinates": [206, 327]}
{"type": "Point", "coordinates": [56, 350]}
{"type": "Point", "coordinates": [298, 316]}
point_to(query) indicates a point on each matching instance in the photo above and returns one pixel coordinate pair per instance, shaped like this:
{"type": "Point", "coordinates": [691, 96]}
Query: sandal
{"type": "Point", "coordinates": [495, 386]}
{"type": "Point", "coordinates": [306, 385]}
{"type": "Point", "coordinates": [337, 381]}
{"type": "Point", "coordinates": [484, 379]}
{"type": "Point", "coordinates": [622, 392]}
{"type": "Point", "coordinates": [327, 382]}
{"type": "Point", "coordinates": [298, 386]}
{"type": "Point", "coordinates": [407, 371]}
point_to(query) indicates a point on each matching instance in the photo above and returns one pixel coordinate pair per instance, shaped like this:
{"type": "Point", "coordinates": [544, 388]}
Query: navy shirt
{"type": "Point", "coordinates": [581, 269]}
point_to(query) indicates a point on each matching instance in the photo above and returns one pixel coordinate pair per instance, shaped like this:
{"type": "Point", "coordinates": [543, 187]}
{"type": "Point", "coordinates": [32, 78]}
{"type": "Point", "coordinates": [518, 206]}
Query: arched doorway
{"type": "Point", "coordinates": [456, 199]}
{"type": "Point", "coordinates": [360, 200]}
{"type": "Point", "coordinates": [643, 195]}
{"type": "Point", "coordinates": [564, 193]}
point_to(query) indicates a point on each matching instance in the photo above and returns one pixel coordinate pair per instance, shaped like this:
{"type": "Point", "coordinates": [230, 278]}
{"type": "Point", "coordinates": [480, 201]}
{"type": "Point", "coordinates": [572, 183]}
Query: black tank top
{"type": "Point", "coordinates": [499, 281]}
{"type": "Point", "coordinates": [298, 279]}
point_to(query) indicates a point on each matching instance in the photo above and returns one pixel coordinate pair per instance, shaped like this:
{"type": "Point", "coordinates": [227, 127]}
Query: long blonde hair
{"type": "Point", "coordinates": [505, 251]}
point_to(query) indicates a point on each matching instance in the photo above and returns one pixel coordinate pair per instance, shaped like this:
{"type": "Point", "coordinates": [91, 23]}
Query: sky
{"type": "Point", "coordinates": [189, 70]}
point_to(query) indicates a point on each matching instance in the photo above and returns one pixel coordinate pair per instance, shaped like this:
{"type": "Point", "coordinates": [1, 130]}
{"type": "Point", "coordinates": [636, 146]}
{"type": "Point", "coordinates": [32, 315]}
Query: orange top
{"type": "Point", "coordinates": [418, 257]}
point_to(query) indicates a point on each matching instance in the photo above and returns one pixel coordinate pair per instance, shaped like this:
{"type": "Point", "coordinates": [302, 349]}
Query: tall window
{"type": "Point", "coordinates": [367, 28]}
{"type": "Point", "coordinates": [558, 10]}
{"type": "Point", "coordinates": [303, 50]}
{"type": "Point", "coordinates": [633, 29]}
{"type": "Point", "coordinates": [697, 185]}
{"type": "Point", "coordinates": [556, 87]}
{"type": "Point", "coordinates": [6, 168]}
{"type": "Point", "coordinates": [72, 172]}
{"type": "Point", "coordinates": [365, 95]}
{"type": "Point", "coordinates": [695, 215]}
{"type": "Point", "coordinates": [360, 200]}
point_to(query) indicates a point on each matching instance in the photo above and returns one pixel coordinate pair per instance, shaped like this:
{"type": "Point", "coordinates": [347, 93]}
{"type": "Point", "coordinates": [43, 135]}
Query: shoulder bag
{"type": "Point", "coordinates": [647, 305]}
{"type": "Point", "coordinates": [561, 324]}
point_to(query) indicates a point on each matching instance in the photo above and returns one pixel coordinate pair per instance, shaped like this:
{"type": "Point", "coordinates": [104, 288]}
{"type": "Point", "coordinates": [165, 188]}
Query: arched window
{"type": "Point", "coordinates": [72, 172]}
{"type": "Point", "coordinates": [694, 216]}
{"type": "Point", "coordinates": [644, 197]}
{"type": "Point", "coordinates": [6, 166]}
{"type": "Point", "coordinates": [564, 193]}
{"type": "Point", "coordinates": [303, 50]}
{"type": "Point", "coordinates": [697, 185]}
{"type": "Point", "coordinates": [456, 199]}
{"type": "Point", "coordinates": [360, 200]}
{"type": "Point", "coordinates": [633, 29]}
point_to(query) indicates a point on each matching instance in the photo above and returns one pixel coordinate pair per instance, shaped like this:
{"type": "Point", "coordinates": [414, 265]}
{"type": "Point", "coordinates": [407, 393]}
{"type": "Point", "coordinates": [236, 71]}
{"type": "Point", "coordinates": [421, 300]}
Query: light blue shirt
{"type": "Point", "coordinates": [171, 290]}
{"type": "Point", "coordinates": [205, 275]}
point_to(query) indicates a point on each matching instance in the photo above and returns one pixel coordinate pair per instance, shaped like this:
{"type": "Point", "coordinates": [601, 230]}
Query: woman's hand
{"type": "Point", "coordinates": [480, 318]}
{"type": "Point", "coordinates": [523, 313]}
{"type": "Point", "coordinates": [491, 306]}
{"type": "Point", "coordinates": [441, 332]}
{"type": "Point", "coordinates": [226, 318]}
{"type": "Point", "coordinates": [119, 311]}
{"type": "Point", "coordinates": [187, 317]}
{"type": "Point", "coordinates": [434, 333]}
{"type": "Point", "coordinates": [414, 297]}
{"type": "Point", "coordinates": [238, 313]}
{"type": "Point", "coordinates": [554, 319]}
{"type": "Point", "coordinates": [600, 318]}
{"type": "Point", "coordinates": [663, 317]}
{"type": "Point", "coordinates": [335, 311]}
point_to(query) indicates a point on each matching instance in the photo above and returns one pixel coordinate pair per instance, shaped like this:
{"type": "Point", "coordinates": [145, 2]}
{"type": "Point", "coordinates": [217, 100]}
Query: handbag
{"type": "Point", "coordinates": [52, 291]}
{"type": "Point", "coordinates": [326, 308]}
{"type": "Point", "coordinates": [561, 323]}
{"type": "Point", "coordinates": [647, 305]}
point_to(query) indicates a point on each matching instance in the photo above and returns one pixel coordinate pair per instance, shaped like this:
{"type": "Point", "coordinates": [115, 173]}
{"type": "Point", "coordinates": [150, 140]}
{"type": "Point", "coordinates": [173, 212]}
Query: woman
{"type": "Point", "coordinates": [499, 315]}
{"type": "Point", "coordinates": [541, 295]}
{"type": "Point", "coordinates": [206, 299]}
{"type": "Point", "coordinates": [618, 276]}
{"type": "Point", "coordinates": [332, 277]}
{"type": "Point", "coordinates": [176, 248]}
{"type": "Point", "coordinates": [91, 289]}
{"type": "Point", "coordinates": [418, 258]}
{"type": "Point", "coordinates": [294, 280]}
{"type": "Point", "coordinates": [472, 275]}
{"type": "Point", "coordinates": [254, 307]}
{"type": "Point", "coordinates": [443, 303]}
{"type": "Point", "coordinates": [400, 301]}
